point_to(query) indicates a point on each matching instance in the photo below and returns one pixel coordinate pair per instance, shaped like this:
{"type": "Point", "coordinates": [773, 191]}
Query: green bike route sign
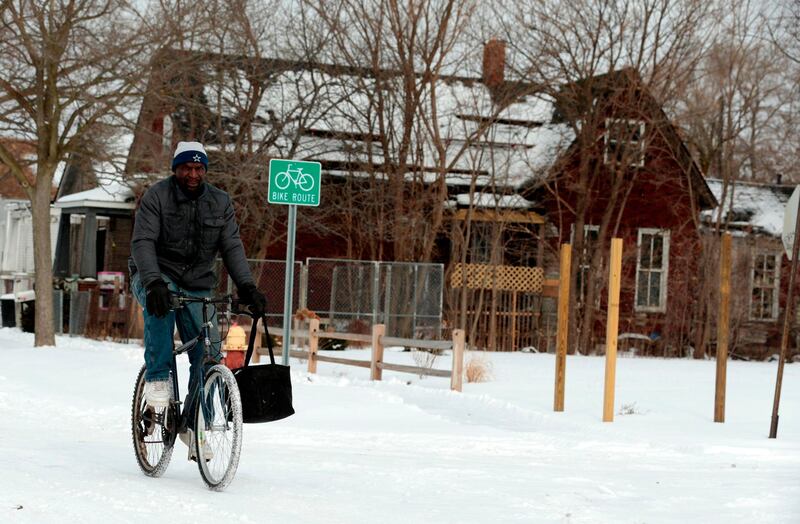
{"type": "Point", "coordinates": [294, 182]}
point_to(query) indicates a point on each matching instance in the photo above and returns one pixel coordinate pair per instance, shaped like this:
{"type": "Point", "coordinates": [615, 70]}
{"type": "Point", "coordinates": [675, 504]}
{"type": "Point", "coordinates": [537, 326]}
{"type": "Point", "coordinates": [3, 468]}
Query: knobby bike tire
{"type": "Point", "coordinates": [153, 433]}
{"type": "Point", "coordinates": [223, 435]}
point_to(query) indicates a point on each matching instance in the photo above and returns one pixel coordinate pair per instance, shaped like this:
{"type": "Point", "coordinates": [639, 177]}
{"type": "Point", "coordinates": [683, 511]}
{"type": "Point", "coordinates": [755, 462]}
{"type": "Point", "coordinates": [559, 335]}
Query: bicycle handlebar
{"type": "Point", "coordinates": [179, 300]}
{"type": "Point", "coordinates": [237, 307]}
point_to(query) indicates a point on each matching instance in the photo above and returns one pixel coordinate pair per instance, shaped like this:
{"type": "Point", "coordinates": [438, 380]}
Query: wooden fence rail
{"type": "Point", "coordinates": [379, 341]}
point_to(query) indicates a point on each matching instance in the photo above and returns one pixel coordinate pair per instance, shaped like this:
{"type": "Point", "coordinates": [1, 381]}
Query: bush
{"type": "Point", "coordinates": [478, 368]}
{"type": "Point", "coordinates": [425, 358]}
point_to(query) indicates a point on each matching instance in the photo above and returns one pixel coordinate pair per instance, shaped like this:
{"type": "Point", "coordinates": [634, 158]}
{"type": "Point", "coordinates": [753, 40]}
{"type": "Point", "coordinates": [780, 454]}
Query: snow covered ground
{"type": "Point", "coordinates": [409, 450]}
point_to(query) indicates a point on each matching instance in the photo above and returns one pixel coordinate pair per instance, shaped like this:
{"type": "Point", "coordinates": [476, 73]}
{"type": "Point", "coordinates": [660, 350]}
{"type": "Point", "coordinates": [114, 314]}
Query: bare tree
{"type": "Point", "coordinates": [401, 52]}
{"type": "Point", "coordinates": [737, 116]}
{"type": "Point", "coordinates": [250, 93]}
{"type": "Point", "coordinates": [69, 67]}
{"type": "Point", "coordinates": [610, 59]}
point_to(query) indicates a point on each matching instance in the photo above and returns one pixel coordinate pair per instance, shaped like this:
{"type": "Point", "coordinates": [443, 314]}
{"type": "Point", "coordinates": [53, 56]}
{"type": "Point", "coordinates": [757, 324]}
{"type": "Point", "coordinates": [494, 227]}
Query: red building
{"type": "Point", "coordinates": [598, 157]}
{"type": "Point", "coordinates": [628, 174]}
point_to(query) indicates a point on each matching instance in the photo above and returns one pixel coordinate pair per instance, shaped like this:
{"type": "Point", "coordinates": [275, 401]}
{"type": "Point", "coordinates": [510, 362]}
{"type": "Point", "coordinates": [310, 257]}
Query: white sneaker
{"type": "Point", "coordinates": [187, 437]}
{"type": "Point", "coordinates": [157, 393]}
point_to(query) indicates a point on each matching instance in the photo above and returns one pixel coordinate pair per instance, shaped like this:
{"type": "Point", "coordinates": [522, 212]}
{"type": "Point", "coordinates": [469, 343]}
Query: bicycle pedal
{"type": "Point", "coordinates": [193, 457]}
{"type": "Point", "coordinates": [149, 421]}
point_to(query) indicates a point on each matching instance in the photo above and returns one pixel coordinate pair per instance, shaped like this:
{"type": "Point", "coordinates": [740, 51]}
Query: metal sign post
{"type": "Point", "coordinates": [293, 183]}
{"type": "Point", "coordinates": [789, 232]}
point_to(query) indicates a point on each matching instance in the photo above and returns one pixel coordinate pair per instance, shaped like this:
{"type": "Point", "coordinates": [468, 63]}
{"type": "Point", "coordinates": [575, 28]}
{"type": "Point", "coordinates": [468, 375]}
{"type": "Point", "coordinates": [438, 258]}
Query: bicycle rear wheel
{"type": "Point", "coordinates": [153, 432]}
{"type": "Point", "coordinates": [218, 428]}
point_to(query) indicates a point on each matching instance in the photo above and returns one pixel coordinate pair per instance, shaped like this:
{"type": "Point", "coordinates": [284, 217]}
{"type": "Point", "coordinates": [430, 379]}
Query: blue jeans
{"type": "Point", "coordinates": [158, 334]}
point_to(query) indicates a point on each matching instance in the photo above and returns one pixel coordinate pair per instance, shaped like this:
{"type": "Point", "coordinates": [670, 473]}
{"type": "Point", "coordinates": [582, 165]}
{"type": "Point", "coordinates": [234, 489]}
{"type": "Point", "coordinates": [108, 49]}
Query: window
{"type": "Point", "coordinates": [521, 246]}
{"type": "Point", "coordinates": [624, 140]}
{"type": "Point", "coordinates": [652, 266]}
{"type": "Point", "coordinates": [765, 285]}
{"type": "Point", "coordinates": [481, 242]}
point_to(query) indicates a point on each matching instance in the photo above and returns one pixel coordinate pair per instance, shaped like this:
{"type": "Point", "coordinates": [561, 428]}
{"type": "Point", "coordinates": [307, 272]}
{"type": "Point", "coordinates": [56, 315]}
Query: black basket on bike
{"type": "Point", "coordinates": [266, 390]}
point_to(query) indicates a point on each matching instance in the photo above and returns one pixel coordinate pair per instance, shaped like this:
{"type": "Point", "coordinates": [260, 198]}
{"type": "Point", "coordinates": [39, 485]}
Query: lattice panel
{"type": "Point", "coordinates": [509, 278]}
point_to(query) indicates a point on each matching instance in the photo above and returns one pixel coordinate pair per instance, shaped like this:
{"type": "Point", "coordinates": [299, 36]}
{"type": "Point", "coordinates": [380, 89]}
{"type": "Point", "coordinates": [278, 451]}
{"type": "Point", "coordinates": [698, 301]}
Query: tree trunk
{"type": "Point", "coordinates": [43, 264]}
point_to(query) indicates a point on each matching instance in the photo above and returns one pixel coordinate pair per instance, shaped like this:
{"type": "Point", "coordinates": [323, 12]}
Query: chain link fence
{"type": "Point", "coordinates": [352, 295]}
{"type": "Point", "coordinates": [269, 276]}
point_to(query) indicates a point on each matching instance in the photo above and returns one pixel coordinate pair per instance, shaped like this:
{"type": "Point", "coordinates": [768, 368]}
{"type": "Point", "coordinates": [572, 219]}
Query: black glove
{"type": "Point", "coordinates": [250, 295]}
{"type": "Point", "coordinates": [157, 298]}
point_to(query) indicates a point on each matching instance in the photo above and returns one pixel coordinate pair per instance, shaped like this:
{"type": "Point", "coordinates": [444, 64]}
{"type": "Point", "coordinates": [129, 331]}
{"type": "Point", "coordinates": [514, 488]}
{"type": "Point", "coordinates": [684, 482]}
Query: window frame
{"type": "Point", "coordinates": [481, 235]}
{"type": "Point", "coordinates": [607, 140]}
{"type": "Point", "coordinates": [776, 286]}
{"type": "Point", "coordinates": [664, 281]}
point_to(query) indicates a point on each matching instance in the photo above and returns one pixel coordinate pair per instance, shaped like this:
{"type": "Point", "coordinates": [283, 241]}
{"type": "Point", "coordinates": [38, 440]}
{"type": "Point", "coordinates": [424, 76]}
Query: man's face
{"type": "Point", "coordinates": [190, 175]}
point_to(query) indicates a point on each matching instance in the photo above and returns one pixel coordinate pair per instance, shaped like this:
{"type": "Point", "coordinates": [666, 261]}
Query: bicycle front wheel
{"type": "Point", "coordinates": [218, 428]}
{"type": "Point", "coordinates": [153, 432]}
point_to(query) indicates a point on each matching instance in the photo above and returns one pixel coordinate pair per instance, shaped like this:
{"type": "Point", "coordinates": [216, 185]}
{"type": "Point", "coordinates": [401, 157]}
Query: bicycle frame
{"type": "Point", "coordinates": [205, 336]}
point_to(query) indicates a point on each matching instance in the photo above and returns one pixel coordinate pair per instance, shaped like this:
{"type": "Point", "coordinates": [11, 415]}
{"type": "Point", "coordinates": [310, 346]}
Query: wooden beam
{"type": "Point", "coordinates": [313, 344]}
{"type": "Point", "coordinates": [502, 215]}
{"type": "Point", "coordinates": [562, 337]}
{"type": "Point", "coordinates": [723, 325]}
{"type": "Point", "coordinates": [414, 369]}
{"type": "Point", "coordinates": [345, 361]}
{"type": "Point", "coordinates": [378, 330]}
{"type": "Point", "coordinates": [612, 327]}
{"type": "Point", "coordinates": [459, 345]}
{"type": "Point", "coordinates": [416, 343]}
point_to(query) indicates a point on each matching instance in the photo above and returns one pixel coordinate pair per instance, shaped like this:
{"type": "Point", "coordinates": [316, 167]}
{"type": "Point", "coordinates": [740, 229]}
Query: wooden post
{"type": "Point", "coordinates": [612, 327]}
{"type": "Point", "coordinates": [513, 345]}
{"type": "Point", "coordinates": [562, 338]}
{"type": "Point", "coordinates": [787, 323]}
{"type": "Point", "coordinates": [313, 344]}
{"type": "Point", "coordinates": [295, 339]}
{"type": "Point", "coordinates": [723, 324]}
{"type": "Point", "coordinates": [378, 330]}
{"type": "Point", "coordinates": [457, 375]}
{"type": "Point", "coordinates": [135, 319]}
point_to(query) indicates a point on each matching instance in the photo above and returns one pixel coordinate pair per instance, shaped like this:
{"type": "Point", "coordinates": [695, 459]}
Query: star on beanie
{"type": "Point", "coordinates": [189, 152]}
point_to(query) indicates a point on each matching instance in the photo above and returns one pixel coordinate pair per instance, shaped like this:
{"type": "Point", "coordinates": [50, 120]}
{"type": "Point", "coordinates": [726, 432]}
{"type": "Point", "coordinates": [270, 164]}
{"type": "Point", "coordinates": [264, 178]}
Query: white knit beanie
{"type": "Point", "coordinates": [189, 152]}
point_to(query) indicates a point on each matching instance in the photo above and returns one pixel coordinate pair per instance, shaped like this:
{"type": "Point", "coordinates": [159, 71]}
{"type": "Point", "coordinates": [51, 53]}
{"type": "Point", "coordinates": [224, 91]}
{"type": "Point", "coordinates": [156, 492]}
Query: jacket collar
{"type": "Point", "coordinates": [180, 195]}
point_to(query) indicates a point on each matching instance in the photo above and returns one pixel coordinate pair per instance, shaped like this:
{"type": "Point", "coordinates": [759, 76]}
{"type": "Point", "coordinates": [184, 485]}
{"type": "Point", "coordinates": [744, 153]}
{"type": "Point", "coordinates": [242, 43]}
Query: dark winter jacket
{"type": "Point", "coordinates": [181, 237]}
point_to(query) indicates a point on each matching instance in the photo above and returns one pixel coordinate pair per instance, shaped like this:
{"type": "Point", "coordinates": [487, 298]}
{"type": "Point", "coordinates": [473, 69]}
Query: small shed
{"type": "Point", "coordinates": [94, 230]}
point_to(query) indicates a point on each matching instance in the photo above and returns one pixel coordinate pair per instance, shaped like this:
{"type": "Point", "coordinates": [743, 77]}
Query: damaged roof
{"type": "Point", "coordinates": [749, 206]}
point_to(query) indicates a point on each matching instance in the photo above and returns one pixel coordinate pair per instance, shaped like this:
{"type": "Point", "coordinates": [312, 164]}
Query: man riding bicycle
{"type": "Point", "coordinates": [182, 223]}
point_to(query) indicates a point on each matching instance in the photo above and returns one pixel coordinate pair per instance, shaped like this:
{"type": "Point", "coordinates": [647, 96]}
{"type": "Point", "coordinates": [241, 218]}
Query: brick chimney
{"type": "Point", "coordinates": [494, 63]}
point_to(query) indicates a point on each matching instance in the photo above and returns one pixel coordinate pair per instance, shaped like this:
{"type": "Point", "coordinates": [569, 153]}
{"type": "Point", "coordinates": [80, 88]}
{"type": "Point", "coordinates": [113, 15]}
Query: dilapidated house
{"type": "Point", "coordinates": [490, 185]}
{"type": "Point", "coordinates": [753, 214]}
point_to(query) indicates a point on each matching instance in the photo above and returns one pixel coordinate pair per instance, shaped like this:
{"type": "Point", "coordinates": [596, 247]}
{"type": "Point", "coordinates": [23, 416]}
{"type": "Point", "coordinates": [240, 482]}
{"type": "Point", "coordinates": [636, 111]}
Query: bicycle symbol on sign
{"type": "Point", "coordinates": [301, 180]}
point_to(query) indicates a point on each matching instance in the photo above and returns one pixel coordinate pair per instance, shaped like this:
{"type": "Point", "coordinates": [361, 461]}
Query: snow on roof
{"type": "Point", "coordinates": [328, 117]}
{"type": "Point", "coordinates": [750, 205]}
{"type": "Point", "coordinates": [114, 194]}
{"type": "Point", "coordinates": [493, 200]}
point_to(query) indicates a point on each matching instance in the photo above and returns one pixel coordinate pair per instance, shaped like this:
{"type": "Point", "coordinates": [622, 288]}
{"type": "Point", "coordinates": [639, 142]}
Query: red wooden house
{"type": "Point", "coordinates": [543, 180]}
{"type": "Point", "coordinates": [628, 174]}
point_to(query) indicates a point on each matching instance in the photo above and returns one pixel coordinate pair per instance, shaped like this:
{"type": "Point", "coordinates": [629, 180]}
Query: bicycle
{"type": "Point", "coordinates": [303, 180]}
{"type": "Point", "coordinates": [217, 413]}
